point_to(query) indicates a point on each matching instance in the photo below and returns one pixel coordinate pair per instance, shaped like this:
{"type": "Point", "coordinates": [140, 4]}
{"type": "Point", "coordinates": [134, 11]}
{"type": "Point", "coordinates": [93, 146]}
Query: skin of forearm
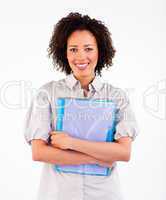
{"type": "Point", "coordinates": [49, 154]}
{"type": "Point", "coordinates": [105, 151]}
{"type": "Point", "coordinates": [57, 156]}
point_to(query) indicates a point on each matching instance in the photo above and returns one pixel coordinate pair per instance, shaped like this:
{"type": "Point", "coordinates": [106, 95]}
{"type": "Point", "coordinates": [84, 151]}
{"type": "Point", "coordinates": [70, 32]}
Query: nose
{"type": "Point", "coordinates": [81, 55]}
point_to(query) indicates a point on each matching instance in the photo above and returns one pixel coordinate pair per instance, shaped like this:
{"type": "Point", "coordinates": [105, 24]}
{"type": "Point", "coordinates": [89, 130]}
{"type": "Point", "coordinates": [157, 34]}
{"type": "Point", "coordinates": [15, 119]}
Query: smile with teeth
{"type": "Point", "coordinates": [82, 66]}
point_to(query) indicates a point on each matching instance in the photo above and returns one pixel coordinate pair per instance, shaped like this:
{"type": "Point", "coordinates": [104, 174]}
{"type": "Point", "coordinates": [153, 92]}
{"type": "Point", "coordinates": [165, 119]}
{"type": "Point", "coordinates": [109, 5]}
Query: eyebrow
{"type": "Point", "coordinates": [86, 45]}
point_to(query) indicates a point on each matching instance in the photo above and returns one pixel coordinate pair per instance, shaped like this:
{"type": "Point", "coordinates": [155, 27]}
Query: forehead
{"type": "Point", "coordinates": [81, 37]}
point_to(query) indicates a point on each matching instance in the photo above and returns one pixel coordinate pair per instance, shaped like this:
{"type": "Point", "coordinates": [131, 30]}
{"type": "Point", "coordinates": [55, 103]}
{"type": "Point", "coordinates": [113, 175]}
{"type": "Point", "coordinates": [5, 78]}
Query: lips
{"type": "Point", "coordinates": [82, 66]}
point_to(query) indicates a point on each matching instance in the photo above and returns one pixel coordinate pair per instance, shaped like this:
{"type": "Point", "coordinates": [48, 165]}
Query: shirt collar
{"type": "Point", "coordinates": [71, 82]}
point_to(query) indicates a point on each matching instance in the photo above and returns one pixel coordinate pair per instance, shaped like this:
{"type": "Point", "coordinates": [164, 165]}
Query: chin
{"type": "Point", "coordinates": [84, 73]}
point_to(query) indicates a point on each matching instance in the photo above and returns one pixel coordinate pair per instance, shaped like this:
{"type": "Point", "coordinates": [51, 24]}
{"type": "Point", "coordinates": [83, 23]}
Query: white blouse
{"type": "Point", "coordinates": [41, 119]}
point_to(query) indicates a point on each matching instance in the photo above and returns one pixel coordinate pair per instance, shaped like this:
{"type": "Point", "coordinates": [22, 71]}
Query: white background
{"type": "Point", "coordinates": [138, 30]}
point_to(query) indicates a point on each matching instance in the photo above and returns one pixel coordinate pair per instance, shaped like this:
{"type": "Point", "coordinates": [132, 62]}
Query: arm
{"type": "Point", "coordinates": [105, 151]}
{"type": "Point", "coordinates": [41, 151]}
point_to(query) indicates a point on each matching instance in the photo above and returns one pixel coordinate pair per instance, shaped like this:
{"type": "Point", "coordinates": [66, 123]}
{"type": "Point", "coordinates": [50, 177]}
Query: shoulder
{"type": "Point", "coordinates": [51, 84]}
{"type": "Point", "coordinates": [50, 88]}
{"type": "Point", "coordinates": [116, 94]}
{"type": "Point", "coordinates": [113, 90]}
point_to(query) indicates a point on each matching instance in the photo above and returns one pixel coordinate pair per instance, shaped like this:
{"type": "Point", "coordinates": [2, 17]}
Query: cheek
{"type": "Point", "coordinates": [70, 57]}
{"type": "Point", "coordinates": [94, 57]}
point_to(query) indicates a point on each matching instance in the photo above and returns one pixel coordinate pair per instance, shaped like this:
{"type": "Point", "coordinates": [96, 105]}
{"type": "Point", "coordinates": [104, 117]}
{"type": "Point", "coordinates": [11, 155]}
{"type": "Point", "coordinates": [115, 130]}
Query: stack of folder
{"type": "Point", "coordinates": [86, 119]}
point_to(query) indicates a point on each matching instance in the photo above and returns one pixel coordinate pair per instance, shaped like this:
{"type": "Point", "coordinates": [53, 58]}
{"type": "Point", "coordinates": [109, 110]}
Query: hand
{"type": "Point", "coordinates": [60, 139]}
{"type": "Point", "coordinates": [105, 164]}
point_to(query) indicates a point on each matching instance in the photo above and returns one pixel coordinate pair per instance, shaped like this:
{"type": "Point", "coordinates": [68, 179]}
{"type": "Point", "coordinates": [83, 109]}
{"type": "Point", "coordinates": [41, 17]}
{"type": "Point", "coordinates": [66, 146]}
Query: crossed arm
{"type": "Point", "coordinates": [67, 150]}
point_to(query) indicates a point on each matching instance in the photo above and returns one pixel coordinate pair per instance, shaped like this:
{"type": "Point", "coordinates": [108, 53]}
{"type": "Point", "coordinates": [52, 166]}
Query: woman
{"type": "Point", "coordinates": [81, 47]}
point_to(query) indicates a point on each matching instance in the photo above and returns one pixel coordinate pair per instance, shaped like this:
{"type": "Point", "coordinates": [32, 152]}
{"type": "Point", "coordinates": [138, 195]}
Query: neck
{"type": "Point", "coordinates": [85, 81]}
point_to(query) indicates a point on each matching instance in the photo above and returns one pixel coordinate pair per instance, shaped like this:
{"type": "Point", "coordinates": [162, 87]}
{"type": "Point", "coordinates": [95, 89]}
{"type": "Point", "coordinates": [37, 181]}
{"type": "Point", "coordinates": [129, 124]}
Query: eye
{"type": "Point", "coordinates": [88, 49]}
{"type": "Point", "coordinates": [73, 50]}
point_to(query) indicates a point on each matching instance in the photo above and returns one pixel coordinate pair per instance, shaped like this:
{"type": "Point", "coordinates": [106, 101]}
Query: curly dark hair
{"type": "Point", "coordinates": [75, 21]}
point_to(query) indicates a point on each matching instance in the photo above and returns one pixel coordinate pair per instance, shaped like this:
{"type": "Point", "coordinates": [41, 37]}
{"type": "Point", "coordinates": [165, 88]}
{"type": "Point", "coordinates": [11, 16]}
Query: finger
{"type": "Point", "coordinates": [104, 164]}
{"type": "Point", "coordinates": [53, 137]}
{"type": "Point", "coordinates": [53, 132]}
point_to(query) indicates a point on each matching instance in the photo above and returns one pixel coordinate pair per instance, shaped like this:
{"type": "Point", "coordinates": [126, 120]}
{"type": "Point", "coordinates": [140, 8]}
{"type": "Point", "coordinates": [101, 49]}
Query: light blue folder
{"type": "Point", "coordinates": [87, 119]}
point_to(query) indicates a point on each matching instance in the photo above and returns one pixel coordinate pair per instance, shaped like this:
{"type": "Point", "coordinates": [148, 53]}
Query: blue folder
{"type": "Point", "coordinates": [87, 119]}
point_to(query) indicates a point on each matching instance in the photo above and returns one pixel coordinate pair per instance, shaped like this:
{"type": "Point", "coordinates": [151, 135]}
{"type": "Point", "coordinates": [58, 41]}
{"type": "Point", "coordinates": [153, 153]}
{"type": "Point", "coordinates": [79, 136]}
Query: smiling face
{"type": "Point", "coordinates": [82, 54]}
